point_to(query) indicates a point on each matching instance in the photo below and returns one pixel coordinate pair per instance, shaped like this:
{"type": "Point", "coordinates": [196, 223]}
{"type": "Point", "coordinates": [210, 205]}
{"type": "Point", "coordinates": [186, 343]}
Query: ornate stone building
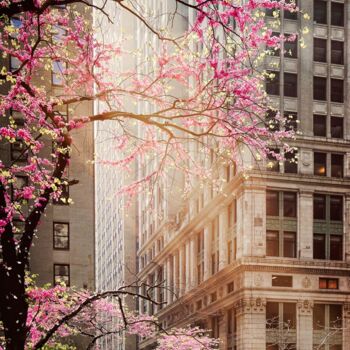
{"type": "Point", "coordinates": [264, 263]}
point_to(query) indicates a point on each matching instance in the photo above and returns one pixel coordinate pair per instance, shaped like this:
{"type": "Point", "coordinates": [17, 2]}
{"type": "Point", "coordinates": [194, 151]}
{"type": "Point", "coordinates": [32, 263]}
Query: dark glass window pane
{"type": "Point", "coordinates": [291, 121]}
{"type": "Point", "coordinates": [320, 125]}
{"type": "Point", "coordinates": [335, 315]}
{"type": "Point", "coordinates": [291, 48]}
{"type": "Point", "coordinates": [337, 127]}
{"type": "Point", "coordinates": [290, 85]}
{"type": "Point", "coordinates": [61, 274]}
{"type": "Point", "coordinates": [337, 161]}
{"type": "Point", "coordinates": [275, 51]}
{"type": "Point", "coordinates": [273, 164]}
{"type": "Point", "coordinates": [320, 50]}
{"type": "Point", "coordinates": [319, 207]}
{"type": "Point", "coordinates": [289, 204]}
{"type": "Point", "coordinates": [282, 281]}
{"type": "Point", "coordinates": [272, 243]}
{"type": "Point", "coordinates": [272, 315]}
{"type": "Point", "coordinates": [289, 314]}
{"type": "Point", "coordinates": [272, 203]}
{"type": "Point", "coordinates": [336, 210]}
{"type": "Point", "coordinates": [337, 90]}
{"type": "Point", "coordinates": [273, 84]}
{"type": "Point", "coordinates": [320, 88]}
{"type": "Point", "coordinates": [271, 123]}
{"type": "Point", "coordinates": [320, 164]}
{"type": "Point", "coordinates": [320, 11]}
{"type": "Point", "coordinates": [337, 14]}
{"type": "Point", "coordinates": [290, 164]}
{"type": "Point", "coordinates": [319, 316]}
{"type": "Point", "coordinates": [336, 247]}
{"type": "Point", "coordinates": [289, 244]}
{"type": "Point", "coordinates": [319, 246]}
{"type": "Point", "coordinates": [337, 52]}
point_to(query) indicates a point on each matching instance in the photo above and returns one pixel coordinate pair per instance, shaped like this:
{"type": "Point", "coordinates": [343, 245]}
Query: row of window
{"type": "Point", "coordinates": [325, 164]}
{"type": "Point", "coordinates": [321, 86]}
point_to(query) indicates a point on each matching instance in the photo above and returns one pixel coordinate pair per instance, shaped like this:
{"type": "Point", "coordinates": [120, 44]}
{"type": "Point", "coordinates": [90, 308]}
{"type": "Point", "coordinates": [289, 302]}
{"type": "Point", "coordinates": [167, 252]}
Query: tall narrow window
{"type": "Point", "coordinates": [291, 48]}
{"type": "Point", "coordinates": [337, 14]}
{"type": "Point", "coordinates": [61, 235]}
{"type": "Point", "coordinates": [320, 125]}
{"type": "Point", "coordinates": [290, 85]}
{"type": "Point", "coordinates": [337, 90]}
{"type": "Point", "coordinates": [58, 71]}
{"type": "Point", "coordinates": [290, 163]}
{"type": "Point", "coordinates": [319, 207]}
{"type": "Point", "coordinates": [337, 52]}
{"type": "Point", "coordinates": [289, 204]}
{"type": "Point", "coordinates": [337, 165]}
{"type": "Point", "coordinates": [320, 164]}
{"type": "Point", "coordinates": [289, 244]}
{"type": "Point", "coordinates": [320, 50]}
{"type": "Point", "coordinates": [337, 127]}
{"type": "Point", "coordinates": [319, 246]}
{"type": "Point", "coordinates": [320, 11]}
{"type": "Point", "coordinates": [291, 122]}
{"type": "Point", "coordinates": [336, 208]}
{"type": "Point", "coordinates": [273, 163]}
{"type": "Point", "coordinates": [320, 88]}
{"type": "Point", "coordinates": [61, 274]}
{"type": "Point", "coordinates": [273, 83]}
{"type": "Point", "coordinates": [272, 243]}
{"type": "Point", "coordinates": [272, 203]}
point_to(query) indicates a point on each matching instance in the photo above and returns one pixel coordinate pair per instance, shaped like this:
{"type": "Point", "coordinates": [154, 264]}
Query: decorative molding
{"type": "Point", "coordinates": [305, 307]}
{"type": "Point", "coordinates": [250, 305]}
{"type": "Point", "coordinates": [306, 282]}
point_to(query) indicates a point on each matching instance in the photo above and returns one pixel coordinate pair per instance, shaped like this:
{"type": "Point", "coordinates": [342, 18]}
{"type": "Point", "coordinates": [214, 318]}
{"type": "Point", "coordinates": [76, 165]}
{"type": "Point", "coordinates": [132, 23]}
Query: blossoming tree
{"type": "Point", "coordinates": [217, 65]}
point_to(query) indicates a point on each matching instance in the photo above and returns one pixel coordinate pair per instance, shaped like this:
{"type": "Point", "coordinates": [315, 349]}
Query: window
{"type": "Point", "coordinates": [320, 11]}
{"type": "Point", "coordinates": [275, 51]}
{"type": "Point", "coordinates": [337, 127]}
{"type": "Point", "coordinates": [328, 233]}
{"type": "Point", "coordinates": [320, 50]}
{"type": "Point", "coordinates": [273, 164]}
{"type": "Point", "coordinates": [291, 122]}
{"type": "Point", "coordinates": [230, 287]}
{"type": "Point", "coordinates": [337, 14]}
{"type": "Point", "coordinates": [320, 125]}
{"type": "Point", "coordinates": [291, 47]}
{"type": "Point", "coordinates": [320, 164]}
{"type": "Point", "coordinates": [199, 304]}
{"type": "Point", "coordinates": [326, 319]}
{"type": "Point", "coordinates": [289, 204]}
{"type": "Point", "coordinates": [337, 164]}
{"type": "Point", "coordinates": [273, 83]}
{"type": "Point", "coordinates": [290, 163]}
{"type": "Point", "coordinates": [280, 316]}
{"type": "Point", "coordinates": [282, 281]}
{"type": "Point", "coordinates": [20, 182]}
{"type": "Point", "coordinates": [17, 117]}
{"type": "Point", "coordinates": [290, 85]}
{"type": "Point", "coordinates": [289, 244]}
{"type": "Point", "coordinates": [58, 71]}
{"type": "Point", "coordinates": [328, 283]}
{"type": "Point", "coordinates": [61, 235]}
{"type": "Point", "coordinates": [337, 52]}
{"type": "Point", "coordinates": [272, 203]}
{"type": "Point", "coordinates": [61, 274]}
{"type": "Point", "coordinates": [213, 297]}
{"type": "Point", "coordinates": [320, 88]}
{"type": "Point", "coordinates": [271, 123]}
{"type": "Point", "coordinates": [337, 90]}
{"type": "Point", "coordinates": [289, 14]}
{"type": "Point", "coordinates": [272, 243]}
{"type": "Point", "coordinates": [282, 241]}
{"type": "Point", "coordinates": [319, 207]}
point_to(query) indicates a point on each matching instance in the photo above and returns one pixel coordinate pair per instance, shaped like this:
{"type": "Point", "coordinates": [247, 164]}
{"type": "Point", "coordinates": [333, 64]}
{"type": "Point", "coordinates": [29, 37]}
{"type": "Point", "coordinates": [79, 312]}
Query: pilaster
{"type": "Point", "coordinates": [305, 325]}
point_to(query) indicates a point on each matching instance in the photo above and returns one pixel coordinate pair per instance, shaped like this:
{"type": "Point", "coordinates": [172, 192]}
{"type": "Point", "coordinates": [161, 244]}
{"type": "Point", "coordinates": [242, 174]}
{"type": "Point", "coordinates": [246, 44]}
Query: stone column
{"type": "Point", "coordinates": [346, 326]}
{"type": "Point", "coordinates": [305, 221]}
{"type": "Point", "coordinates": [176, 274]}
{"type": "Point", "coordinates": [207, 252]}
{"type": "Point", "coordinates": [347, 228]}
{"type": "Point", "coordinates": [169, 291]}
{"type": "Point", "coordinates": [223, 330]}
{"type": "Point", "coordinates": [251, 323]}
{"type": "Point", "coordinates": [304, 326]}
{"type": "Point", "coordinates": [223, 238]}
{"type": "Point", "coordinates": [182, 271]}
{"type": "Point", "coordinates": [188, 267]}
{"type": "Point", "coordinates": [193, 268]}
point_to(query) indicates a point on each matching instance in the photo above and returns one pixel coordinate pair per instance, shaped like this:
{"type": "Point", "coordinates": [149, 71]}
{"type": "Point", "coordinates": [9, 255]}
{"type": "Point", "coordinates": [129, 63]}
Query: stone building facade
{"type": "Point", "coordinates": [64, 246]}
{"type": "Point", "coordinates": [264, 263]}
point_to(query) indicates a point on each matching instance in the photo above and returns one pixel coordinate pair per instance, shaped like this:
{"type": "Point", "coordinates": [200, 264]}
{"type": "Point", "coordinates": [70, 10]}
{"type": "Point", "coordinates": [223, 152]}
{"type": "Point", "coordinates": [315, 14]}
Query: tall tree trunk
{"type": "Point", "coordinates": [13, 306]}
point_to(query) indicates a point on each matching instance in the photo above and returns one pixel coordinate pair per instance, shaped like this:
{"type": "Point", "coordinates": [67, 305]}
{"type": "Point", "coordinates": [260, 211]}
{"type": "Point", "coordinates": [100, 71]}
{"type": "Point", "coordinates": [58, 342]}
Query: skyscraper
{"type": "Point", "coordinates": [264, 263]}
